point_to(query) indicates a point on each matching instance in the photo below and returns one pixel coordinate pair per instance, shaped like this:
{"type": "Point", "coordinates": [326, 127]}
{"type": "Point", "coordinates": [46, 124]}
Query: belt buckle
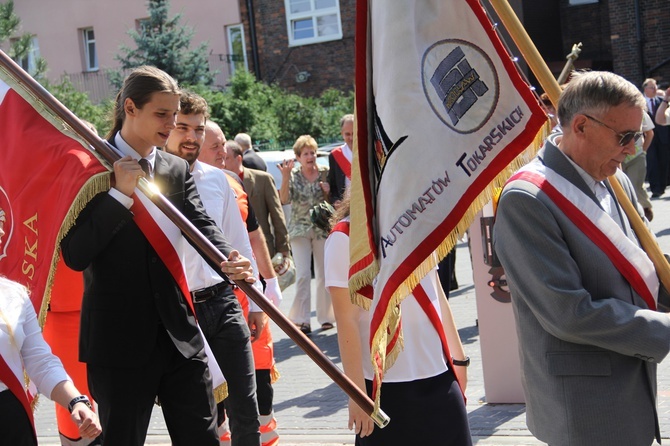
{"type": "Point", "coordinates": [196, 299]}
{"type": "Point", "coordinates": [206, 293]}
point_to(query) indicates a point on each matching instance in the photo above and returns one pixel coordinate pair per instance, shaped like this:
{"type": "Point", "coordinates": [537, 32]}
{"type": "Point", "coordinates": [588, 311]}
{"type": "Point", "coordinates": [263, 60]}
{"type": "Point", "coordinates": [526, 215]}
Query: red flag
{"type": "Point", "coordinates": [442, 120]}
{"type": "Point", "coordinates": [47, 174]}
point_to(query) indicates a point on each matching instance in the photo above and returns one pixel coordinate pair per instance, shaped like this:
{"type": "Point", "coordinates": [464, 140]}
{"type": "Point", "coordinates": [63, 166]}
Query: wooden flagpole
{"type": "Point", "coordinates": [553, 90]}
{"type": "Point", "coordinates": [190, 231]}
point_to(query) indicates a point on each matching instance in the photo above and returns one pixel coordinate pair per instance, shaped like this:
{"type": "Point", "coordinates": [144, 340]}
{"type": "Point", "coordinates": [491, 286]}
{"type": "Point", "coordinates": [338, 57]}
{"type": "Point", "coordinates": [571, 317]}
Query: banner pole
{"type": "Point", "coordinates": [553, 90]}
{"type": "Point", "coordinates": [528, 50]}
{"type": "Point", "coordinates": [190, 231]}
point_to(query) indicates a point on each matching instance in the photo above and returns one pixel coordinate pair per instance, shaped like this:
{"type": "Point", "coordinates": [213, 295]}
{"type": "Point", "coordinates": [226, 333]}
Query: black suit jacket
{"type": "Point", "coordinates": [251, 160]}
{"type": "Point", "coordinates": [661, 132]}
{"type": "Point", "coordinates": [336, 179]}
{"type": "Point", "coordinates": [129, 294]}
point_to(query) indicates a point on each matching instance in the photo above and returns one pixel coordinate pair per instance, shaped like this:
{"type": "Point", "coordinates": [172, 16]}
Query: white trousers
{"type": "Point", "coordinates": [302, 249]}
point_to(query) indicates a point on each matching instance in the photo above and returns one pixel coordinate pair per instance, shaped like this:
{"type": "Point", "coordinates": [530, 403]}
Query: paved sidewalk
{"type": "Point", "coordinates": [312, 410]}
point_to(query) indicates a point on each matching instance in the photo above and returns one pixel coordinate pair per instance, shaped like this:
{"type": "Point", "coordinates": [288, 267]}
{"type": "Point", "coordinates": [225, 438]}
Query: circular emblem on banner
{"type": "Point", "coordinates": [460, 83]}
{"type": "Point", "coordinates": [6, 223]}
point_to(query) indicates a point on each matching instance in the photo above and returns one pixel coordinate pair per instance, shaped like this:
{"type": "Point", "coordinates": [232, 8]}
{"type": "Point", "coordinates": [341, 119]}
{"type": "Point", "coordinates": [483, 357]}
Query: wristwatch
{"type": "Point", "coordinates": [79, 399]}
{"type": "Point", "coordinates": [461, 362]}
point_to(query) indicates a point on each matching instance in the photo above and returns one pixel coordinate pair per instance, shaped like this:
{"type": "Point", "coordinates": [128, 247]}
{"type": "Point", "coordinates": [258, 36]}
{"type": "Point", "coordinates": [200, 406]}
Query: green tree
{"type": "Point", "coordinates": [20, 45]}
{"type": "Point", "coordinates": [164, 43]}
{"type": "Point", "coordinates": [273, 117]}
{"type": "Point", "coordinates": [332, 105]}
{"type": "Point", "coordinates": [245, 106]}
{"type": "Point", "coordinates": [79, 103]}
{"type": "Point", "coordinates": [302, 114]}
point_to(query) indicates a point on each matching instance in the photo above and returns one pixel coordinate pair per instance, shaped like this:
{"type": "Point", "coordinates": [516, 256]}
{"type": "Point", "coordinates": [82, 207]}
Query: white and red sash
{"type": "Point", "coordinates": [627, 257]}
{"type": "Point", "coordinates": [166, 239]}
{"type": "Point", "coordinates": [342, 161]}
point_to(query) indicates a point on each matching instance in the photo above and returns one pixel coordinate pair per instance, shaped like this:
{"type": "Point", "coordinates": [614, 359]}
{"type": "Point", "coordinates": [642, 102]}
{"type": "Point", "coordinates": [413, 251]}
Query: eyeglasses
{"type": "Point", "coordinates": [625, 137]}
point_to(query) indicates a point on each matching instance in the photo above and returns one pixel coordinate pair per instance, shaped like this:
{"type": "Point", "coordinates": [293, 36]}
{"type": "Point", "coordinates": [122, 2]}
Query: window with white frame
{"type": "Point", "coordinates": [313, 21]}
{"type": "Point", "coordinates": [237, 52]}
{"type": "Point", "coordinates": [90, 50]}
{"type": "Point", "coordinates": [29, 61]}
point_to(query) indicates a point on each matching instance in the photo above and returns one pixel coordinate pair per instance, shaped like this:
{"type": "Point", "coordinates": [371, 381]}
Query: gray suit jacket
{"type": "Point", "coordinates": [588, 343]}
{"type": "Point", "coordinates": [264, 200]}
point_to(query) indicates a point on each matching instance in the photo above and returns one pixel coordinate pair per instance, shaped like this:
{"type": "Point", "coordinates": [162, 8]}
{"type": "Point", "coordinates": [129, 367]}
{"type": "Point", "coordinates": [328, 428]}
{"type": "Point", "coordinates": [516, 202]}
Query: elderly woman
{"type": "Point", "coordinates": [305, 186]}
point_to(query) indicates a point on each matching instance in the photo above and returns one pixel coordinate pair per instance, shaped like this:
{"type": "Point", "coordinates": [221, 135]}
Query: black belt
{"type": "Point", "coordinates": [207, 293]}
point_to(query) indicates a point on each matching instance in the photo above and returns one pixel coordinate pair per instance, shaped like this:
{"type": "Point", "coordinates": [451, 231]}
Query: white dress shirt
{"type": "Point", "coordinates": [220, 203]}
{"type": "Point", "coordinates": [348, 154]}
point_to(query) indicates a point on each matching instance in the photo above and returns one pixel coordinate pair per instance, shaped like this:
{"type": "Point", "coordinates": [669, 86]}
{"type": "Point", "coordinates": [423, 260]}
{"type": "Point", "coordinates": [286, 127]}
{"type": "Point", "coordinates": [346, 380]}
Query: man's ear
{"type": "Point", "coordinates": [129, 107]}
{"type": "Point", "coordinates": [578, 124]}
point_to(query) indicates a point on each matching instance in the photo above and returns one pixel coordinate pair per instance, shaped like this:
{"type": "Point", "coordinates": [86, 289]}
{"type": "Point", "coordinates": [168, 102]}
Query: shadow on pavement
{"type": "Point", "coordinates": [663, 233]}
{"type": "Point", "coordinates": [462, 290]}
{"type": "Point", "coordinates": [324, 401]}
{"type": "Point", "coordinates": [486, 420]}
{"type": "Point", "coordinates": [469, 335]}
{"type": "Point", "coordinates": [326, 341]}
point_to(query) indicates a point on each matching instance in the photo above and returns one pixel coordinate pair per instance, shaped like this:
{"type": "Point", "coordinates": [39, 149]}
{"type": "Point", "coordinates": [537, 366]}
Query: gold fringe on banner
{"type": "Point", "coordinates": [96, 184]}
{"type": "Point", "coordinates": [392, 317]}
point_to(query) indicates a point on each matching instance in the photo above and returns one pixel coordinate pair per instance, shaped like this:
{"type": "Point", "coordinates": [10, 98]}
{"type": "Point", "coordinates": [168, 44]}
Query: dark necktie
{"type": "Point", "coordinates": [146, 167]}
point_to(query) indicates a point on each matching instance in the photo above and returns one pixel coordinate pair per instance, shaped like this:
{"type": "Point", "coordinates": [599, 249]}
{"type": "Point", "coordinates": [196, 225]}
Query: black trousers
{"type": "Point", "coordinates": [126, 398]}
{"type": "Point", "coordinates": [15, 427]}
{"type": "Point", "coordinates": [426, 412]}
{"type": "Point", "coordinates": [265, 392]}
{"type": "Point", "coordinates": [658, 160]}
{"type": "Point", "coordinates": [222, 321]}
{"type": "Point", "coordinates": [447, 272]}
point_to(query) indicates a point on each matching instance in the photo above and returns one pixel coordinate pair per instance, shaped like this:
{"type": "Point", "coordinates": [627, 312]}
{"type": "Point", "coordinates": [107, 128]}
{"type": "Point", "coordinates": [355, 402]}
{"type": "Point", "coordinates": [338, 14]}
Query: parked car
{"type": "Point", "coordinates": [329, 147]}
{"type": "Point", "coordinates": [273, 158]}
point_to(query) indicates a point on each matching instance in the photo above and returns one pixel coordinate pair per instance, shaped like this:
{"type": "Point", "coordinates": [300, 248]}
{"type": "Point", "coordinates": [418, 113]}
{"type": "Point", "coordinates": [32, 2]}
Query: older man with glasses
{"type": "Point", "coordinates": [584, 293]}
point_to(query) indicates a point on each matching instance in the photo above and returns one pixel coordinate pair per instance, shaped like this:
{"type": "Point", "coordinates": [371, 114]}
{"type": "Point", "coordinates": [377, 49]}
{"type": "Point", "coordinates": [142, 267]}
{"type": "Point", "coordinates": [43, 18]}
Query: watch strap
{"type": "Point", "coordinates": [461, 362]}
{"type": "Point", "coordinates": [79, 399]}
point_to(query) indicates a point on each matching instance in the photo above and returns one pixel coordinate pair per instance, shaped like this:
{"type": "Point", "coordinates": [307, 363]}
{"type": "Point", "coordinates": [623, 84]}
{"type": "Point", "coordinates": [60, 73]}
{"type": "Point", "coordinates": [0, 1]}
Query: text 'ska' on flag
{"type": "Point", "coordinates": [47, 175]}
{"type": "Point", "coordinates": [442, 119]}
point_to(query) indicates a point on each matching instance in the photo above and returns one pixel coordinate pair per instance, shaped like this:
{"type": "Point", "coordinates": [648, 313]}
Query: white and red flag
{"type": "Point", "coordinates": [443, 118]}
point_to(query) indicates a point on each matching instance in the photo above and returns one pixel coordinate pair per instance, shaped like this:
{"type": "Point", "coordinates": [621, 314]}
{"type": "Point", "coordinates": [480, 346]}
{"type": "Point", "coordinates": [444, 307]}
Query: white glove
{"type": "Point", "coordinates": [272, 291]}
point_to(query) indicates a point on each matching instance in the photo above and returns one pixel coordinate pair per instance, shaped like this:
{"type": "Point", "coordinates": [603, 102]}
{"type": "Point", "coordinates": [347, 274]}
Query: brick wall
{"type": "Point", "coordinates": [590, 25]}
{"type": "Point", "coordinates": [609, 32]}
{"type": "Point", "coordinates": [656, 34]}
{"type": "Point", "coordinates": [330, 64]}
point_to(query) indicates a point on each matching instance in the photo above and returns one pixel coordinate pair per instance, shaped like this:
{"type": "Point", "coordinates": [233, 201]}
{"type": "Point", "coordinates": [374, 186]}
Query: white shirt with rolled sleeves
{"type": "Point", "coordinates": [220, 203]}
